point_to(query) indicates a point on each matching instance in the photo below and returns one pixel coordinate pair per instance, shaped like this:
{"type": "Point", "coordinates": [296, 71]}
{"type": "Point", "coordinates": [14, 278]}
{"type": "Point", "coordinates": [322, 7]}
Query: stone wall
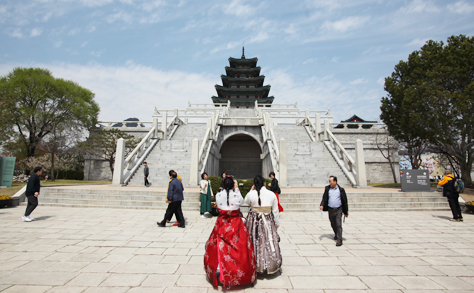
{"type": "Point", "coordinates": [377, 167]}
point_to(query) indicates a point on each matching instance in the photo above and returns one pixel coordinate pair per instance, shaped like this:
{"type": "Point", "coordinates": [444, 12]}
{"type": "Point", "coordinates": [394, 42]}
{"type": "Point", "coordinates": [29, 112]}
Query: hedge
{"type": "Point", "coordinates": [245, 185]}
{"type": "Point", "coordinates": [71, 175]}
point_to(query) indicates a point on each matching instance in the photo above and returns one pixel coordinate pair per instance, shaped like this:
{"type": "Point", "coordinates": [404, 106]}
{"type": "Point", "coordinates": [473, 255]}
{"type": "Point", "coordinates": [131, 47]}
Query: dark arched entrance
{"type": "Point", "coordinates": [240, 157]}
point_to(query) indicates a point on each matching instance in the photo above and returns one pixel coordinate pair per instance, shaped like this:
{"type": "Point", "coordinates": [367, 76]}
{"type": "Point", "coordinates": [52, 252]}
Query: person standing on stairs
{"type": "Point", "coordinates": [146, 172]}
{"type": "Point", "coordinates": [206, 195]}
{"type": "Point", "coordinates": [335, 202]}
{"type": "Point", "coordinates": [276, 189]}
{"type": "Point", "coordinates": [174, 199]}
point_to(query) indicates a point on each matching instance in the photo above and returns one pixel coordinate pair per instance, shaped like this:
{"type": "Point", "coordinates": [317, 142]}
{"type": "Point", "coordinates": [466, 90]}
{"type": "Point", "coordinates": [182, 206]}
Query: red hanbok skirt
{"type": "Point", "coordinates": [280, 208]}
{"type": "Point", "coordinates": [230, 248]}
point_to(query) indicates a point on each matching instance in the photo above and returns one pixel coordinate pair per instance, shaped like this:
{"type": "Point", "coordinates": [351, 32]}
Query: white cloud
{"type": "Point", "coordinates": [74, 31]}
{"type": "Point", "coordinates": [335, 59]}
{"type": "Point", "coordinates": [419, 6]}
{"type": "Point", "coordinates": [152, 5]}
{"type": "Point", "coordinates": [375, 50]}
{"type": "Point", "coordinates": [344, 25]}
{"type": "Point", "coordinates": [309, 61]}
{"type": "Point", "coordinates": [36, 32]}
{"type": "Point", "coordinates": [358, 81]}
{"type": "Point", "coordinates": [120, 16]}
{"type": "Point", "coordinates": [133, 90]}
{"type": "Point", "coordinates": [238, 8]}
{"type": "Point", "coordinates": [15, 33]}
{"type": "Point", "coordinates": [97, 53]}
{"type": "Point", "coordinates": [461, 7]}
{"type": "Point", "coordinates": [58, 44]}
{"type": "Point", "coordinates": [381, 81]}
{"type": "Point", "coordinates": [418, 42]}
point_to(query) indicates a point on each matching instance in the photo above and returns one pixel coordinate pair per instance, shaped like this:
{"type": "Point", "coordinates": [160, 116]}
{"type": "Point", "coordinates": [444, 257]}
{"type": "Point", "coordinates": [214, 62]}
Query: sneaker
{"type": "Point", "coordinates": [161, 224]}
{"type": "Point", "coordinates": [455, 220]}
{"type": "Point", "coordinates": [26, 219]}
{"type": "Point", "coordinates": [176, 223]}
{"type": "Point", "coordinates": [338, 242]}
{"type": "Point", "coordinates": [167, 221]}
{"type": "Point", "coordinates": [32, 218]}
{"type": "Point", "coordinates": [203, 217]}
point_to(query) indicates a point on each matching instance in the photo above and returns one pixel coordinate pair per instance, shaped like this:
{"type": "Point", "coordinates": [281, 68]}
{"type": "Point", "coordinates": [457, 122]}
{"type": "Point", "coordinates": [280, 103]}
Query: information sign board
{"type": "Point", "coordinates": [415, 180]}
{"type": "Point", "coordinates": [7, 167]}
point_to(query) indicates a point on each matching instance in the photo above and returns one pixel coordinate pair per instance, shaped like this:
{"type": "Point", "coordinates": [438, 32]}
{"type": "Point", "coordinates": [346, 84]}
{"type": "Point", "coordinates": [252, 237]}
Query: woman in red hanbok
{"type": "Point", "coordinates": [229, 257]}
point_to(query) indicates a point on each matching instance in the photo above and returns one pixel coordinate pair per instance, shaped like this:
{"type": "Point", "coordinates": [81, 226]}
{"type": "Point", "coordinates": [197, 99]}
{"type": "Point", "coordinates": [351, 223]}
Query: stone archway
{"type": "Point", "coordinates": [241, 156]}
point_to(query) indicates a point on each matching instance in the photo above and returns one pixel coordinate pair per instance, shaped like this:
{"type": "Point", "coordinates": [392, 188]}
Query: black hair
{"type": "Point", "coordinates": [37, 169]}
{"type": "Point", "coordinates": [144, 162]}
{"type": "Point", "coordinates": [272, 173]}
{"type": "Point", "coordinates": [334, 178]}
{"type": "Point", "coordinates": [174, 174]}
{"type": "Point", "coordinates": [228, 185]}
{"type": "Point", "coordinates": [202, 175]}
{"type": "Point", "coordinates": [258, 181]}
{"type": "Point", "coordinates": [171, 172]}
{"type": "Point", "coordinates": [224, 173]}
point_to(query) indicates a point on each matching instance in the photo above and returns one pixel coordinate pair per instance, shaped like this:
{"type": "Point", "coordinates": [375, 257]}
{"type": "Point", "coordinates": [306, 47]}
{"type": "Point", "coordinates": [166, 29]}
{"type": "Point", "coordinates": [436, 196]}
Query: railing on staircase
{"type": "Point", "coordinates": [269, 137]}
{"type": "Point", "coordinates": [212, 132]}
{"type": "Point", "coordinates": [342, 157]}
{"type": "Point", "coordinates": [138, 155]}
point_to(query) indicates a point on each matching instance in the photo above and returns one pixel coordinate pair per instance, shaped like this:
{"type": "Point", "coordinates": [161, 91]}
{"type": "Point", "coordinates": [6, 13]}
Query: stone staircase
{"type": "Point", "coordinates": [291, 201]}
{"type": "Point", "coordinates": [124, 199]}
{"type": "Point", "coordinates": [174, 154]}
{"type": "Point", "coordinates": [309, 163]}
{"type": "Point", "coordinates": [366, 201]}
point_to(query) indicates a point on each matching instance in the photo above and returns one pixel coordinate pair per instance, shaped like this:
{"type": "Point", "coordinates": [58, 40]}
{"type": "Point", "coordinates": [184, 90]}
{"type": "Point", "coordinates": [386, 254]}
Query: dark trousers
{"type": "Point", "coordinates": [455, 208]}
{"type": "Point", "coordinates": [146, 180]}
{"type": "Point", "coordinates": [32, 204]}
{"type": "Point", "coordinates": [174, 208]}
{"type": "Point", "coordinates": [335, 217]}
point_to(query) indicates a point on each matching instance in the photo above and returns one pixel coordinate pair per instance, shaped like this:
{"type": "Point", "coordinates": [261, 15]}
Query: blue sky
{"type": "Point", "coordinates": [135, 55]}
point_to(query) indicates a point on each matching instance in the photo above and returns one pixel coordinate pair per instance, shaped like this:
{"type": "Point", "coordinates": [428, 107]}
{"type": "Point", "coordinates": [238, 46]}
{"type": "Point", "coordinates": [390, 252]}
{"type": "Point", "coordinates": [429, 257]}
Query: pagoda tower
{"type": "Point", "coordinates": [242, 84]}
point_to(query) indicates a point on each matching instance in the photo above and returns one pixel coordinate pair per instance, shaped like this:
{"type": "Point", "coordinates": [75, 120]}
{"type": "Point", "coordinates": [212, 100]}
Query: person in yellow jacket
{"type": "Point", "coordinates": [453, 197]}
{"type": "Point", "coordinates": [180, 179]}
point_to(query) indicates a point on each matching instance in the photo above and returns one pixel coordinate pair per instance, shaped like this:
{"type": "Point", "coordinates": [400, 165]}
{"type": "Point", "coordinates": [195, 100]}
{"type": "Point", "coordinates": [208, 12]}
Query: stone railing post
{"type": "Point", "coordinates": [193, 178]}
{"type": "Point", "coordinates": [164, 125]}
{"type": "Point", "coordinates": [155, 124]}
{"type": "Point", "coordinates": [119, 162]}
{"type": "Point", "coordinates": [282, 163]}
{"type": "Point", "coordinates": [326, 127]}
{"type": "Point", "coordinates": [318, 125]}
{"type": "Point", "coordinates": [360, 164]}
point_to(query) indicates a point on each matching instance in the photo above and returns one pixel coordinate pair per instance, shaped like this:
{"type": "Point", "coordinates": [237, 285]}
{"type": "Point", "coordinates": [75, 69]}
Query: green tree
{"type": "Point", "coordinates": [431, 100]}
{"type": "Point", "coordinates": [103, 144]}
{"type": "Point", "coordinates": [35, 103]}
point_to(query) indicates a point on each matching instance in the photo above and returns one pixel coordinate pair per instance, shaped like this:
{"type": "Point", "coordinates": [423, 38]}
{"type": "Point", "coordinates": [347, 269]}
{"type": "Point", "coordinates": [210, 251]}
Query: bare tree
{"type": "Point", "coordinates": [388, 147]}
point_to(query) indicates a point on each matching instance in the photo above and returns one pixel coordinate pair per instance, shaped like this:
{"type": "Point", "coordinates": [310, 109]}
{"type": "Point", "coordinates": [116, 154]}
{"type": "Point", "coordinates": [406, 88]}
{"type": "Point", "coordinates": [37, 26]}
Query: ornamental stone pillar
{"type": "Point", "coordinates": [360, 164]}
{"type": "Point", "coordinates": [119, 162]}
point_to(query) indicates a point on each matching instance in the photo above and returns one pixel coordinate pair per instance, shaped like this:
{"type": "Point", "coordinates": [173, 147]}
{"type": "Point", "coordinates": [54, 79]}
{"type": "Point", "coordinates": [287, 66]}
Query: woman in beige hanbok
{"type": "Point", "coordinates": [262, 223]}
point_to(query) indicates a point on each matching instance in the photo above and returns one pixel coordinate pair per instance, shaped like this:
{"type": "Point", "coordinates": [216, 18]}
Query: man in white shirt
{"type": "Point", "coordinates": [335, 202]}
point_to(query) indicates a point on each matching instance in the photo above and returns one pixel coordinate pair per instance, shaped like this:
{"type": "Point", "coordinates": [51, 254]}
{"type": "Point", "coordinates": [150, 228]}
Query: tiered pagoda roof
{"type": "Point", "coordinates": [242, 84]}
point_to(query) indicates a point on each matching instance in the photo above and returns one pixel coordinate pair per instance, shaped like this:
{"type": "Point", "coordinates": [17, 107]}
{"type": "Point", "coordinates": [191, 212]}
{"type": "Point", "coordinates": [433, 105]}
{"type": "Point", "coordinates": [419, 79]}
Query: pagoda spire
{"type": "Point", "coordinates": [243, 53]}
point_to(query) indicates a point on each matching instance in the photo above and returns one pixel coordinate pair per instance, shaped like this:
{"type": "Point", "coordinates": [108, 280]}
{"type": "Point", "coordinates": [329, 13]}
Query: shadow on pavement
{"type": "Point", "coordinates": [442, 217]}
{"type": "Point", "coordinates": [43, 218]}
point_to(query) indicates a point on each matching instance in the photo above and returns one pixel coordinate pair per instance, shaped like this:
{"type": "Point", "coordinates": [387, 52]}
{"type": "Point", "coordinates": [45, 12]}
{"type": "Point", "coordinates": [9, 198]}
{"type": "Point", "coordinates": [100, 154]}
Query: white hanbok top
{"type": "Point", "coordinates": [235, 200]}
{"type": "Point", "coordinates": [267, 198]}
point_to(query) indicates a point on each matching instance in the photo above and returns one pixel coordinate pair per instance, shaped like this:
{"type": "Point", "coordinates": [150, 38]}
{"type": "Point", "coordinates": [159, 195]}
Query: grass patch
{"type": "Point", "coordinates": [67, 181]}
{"type": "Point", "coordinates": [386, 185]}
{"type": "Point", "coordinates": [10, 191]}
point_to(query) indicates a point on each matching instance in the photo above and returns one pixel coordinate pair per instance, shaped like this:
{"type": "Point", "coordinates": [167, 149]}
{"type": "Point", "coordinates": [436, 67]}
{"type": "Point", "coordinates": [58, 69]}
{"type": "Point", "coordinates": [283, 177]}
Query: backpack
{"type": "Point", "coordinates": [458, 186]}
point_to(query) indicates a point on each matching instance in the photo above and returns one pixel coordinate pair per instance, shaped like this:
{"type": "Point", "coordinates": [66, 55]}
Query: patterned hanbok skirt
{"type": "Point", "coordinates": [229, 248]}
{"type": "Point", "coordinates": [265, 239]}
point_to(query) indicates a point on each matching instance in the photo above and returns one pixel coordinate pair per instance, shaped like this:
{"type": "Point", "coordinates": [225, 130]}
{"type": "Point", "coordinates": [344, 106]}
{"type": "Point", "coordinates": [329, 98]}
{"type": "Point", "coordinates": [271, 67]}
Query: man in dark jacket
{"type": "Point", "coordinates": [335, 202]}
{"type": "Point", "coordinates": [174, 199]}
{"type": "Point", "coordinates": [32, 192]}
{"type": "Point", "coordinates": [453, 197]}
{"type": "Point", "coordinates": [146, 172]}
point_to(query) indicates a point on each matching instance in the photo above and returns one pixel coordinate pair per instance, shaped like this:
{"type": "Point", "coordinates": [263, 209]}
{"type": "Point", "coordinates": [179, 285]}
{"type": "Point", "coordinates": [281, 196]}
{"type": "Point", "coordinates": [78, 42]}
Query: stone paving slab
{"type": "Point", "coordinates": [107, 250]}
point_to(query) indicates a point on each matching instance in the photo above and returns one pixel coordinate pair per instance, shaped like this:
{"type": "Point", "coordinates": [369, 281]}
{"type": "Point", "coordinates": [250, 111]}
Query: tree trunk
{"type": "Point", "coordinates": [466, 175]}
{"type": "Point", "coordinates": [393, 171]}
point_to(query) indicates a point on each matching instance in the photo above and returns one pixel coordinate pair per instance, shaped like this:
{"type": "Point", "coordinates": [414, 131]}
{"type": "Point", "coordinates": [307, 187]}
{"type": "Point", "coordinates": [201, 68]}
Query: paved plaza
{"type": "Point", "coordinates": [118, 250]}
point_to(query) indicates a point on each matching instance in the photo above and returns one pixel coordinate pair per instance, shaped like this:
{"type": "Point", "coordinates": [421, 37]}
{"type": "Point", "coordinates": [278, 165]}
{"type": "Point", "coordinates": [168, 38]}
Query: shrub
{"type": "Point", "coordinates": [245, 185]}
